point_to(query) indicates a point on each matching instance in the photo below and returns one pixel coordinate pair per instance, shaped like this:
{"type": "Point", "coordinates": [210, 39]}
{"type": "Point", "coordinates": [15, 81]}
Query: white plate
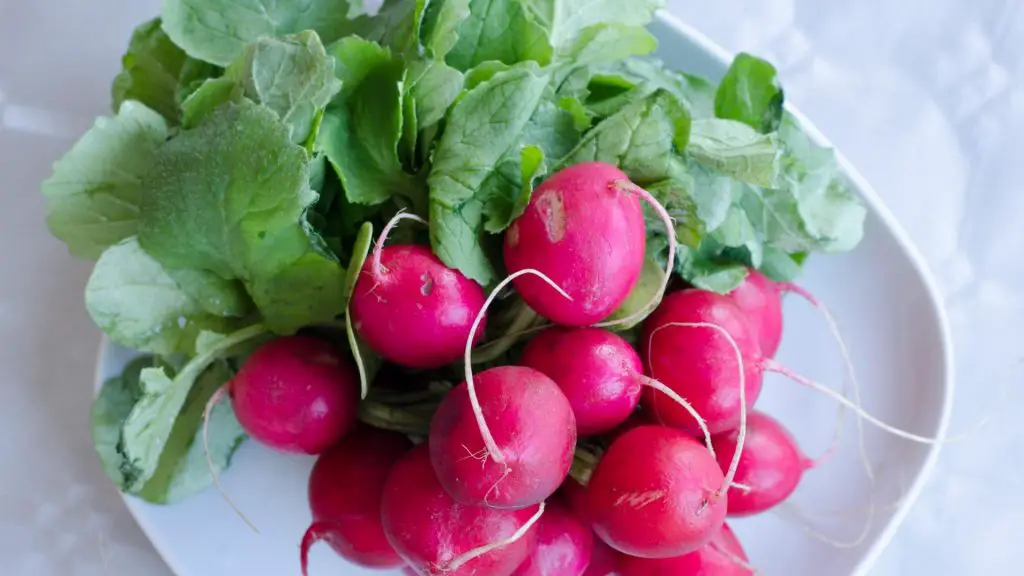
{"type": "Point", "coordinates": [890, 313]}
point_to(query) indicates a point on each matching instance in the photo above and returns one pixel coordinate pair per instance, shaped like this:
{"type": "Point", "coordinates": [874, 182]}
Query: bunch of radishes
{"type": "Point", "coordinates": [661, 441]}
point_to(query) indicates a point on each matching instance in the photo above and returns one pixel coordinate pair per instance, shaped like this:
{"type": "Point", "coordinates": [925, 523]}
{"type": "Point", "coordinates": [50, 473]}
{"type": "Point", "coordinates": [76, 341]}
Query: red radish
{"type": "Point", "coordinates": [564, 545]}
{"type": "Point", "coordinates": [583, 228]}
{"type": "Point", "coordinates": [596, 369]}
{"type": "Point", "coordinates": [603, 561]}
{"type": "Point", "coordinates": [409, 571]}
{"type": "Point", "coordinates": [722, 556]}
{"type": "Point", "coordinates": [761, 300]}
{"type": "Point", "coordinates": [436, 535]}
{"type": "Point", "coordinates": [600, 374]}
{"type": "Point", "coordinates": [345, 489]}
{"type": "Point", "coordinates": [690, 344]}
{"type": "Point", "coordinates": [410, 308]}
{"type": "Point", "coordinates": [532, 424]}
{"type": "Point", "coordinates": [296, 394]}
{"type": "Point", "coordinates": [575, 495]}
{"type": "Point", "coordinates": [656, 493]}
{"type": "Point", "coordinates": [770, 467]}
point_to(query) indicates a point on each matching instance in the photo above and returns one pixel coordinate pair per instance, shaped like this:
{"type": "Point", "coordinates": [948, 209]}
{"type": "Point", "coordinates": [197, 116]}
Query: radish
{"type": "Point", "coordinates": [436, 535]}
{"type": "Point", "coordinates": [656, 493]}
{"type": "Point", "coordinates": [600, 374]}
{"type": "Point", "coordinates": [410, 308]}
{"type": "Point", "coordinates": [295, 394]}
{"type": "Point", "coordinates": [532, 425]}
{"type": "Point", "coordinates": [770, 468]}
{"type": "Point", "coordinates": [584, 229]}
{"type": "Point", "coordinates": [575, 495]}
{"type": "Point", "coordinates": [761, 300]}
{"type": "Point", "coordinates": [690, 344]}
{"type": "Point", "coordinates": [345, 489]}
{"type": "Point", "coordinates": [722, 556]}
{"type": "Point", "coordinates": [564, 545]}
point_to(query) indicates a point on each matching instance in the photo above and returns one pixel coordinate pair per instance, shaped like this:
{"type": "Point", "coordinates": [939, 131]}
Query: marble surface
{"type": "Point", "coordinates": [924, 96]}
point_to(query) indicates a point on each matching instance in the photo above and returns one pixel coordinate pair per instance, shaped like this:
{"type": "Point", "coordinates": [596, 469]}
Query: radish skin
{"type": "Point", "coordinates": [604, 561]}
{"type": "Point", "coordinates": [344, 492]}
{"type": "Point", "coordinates": [438, 536]}
{"type": "Point", "coordinates": [761, 300]}
{"type": "Point", "coordinates": [410, 308]}
{"type": "Point", "coordinates": [587, 234]}
{"type": "Point", "coordinates": [532, 423]}
{"type": "Point", "coordinates": [564, 544]}
{"type": "Point", "coordinates": [656, 494]}
{"type": "Point", "coordinates": [771, 465]}
{"type": "Point", "coordinates": [722, 556]}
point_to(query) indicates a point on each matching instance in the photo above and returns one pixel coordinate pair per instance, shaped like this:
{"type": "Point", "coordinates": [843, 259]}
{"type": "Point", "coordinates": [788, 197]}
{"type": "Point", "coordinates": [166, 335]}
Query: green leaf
{"type": "Point", "coordinates": [713, 194]}
{"type": "Point", "coordinates": [486, 125]}
{"type": "Point", "coordinates": [228, 196]}
{"type": "Point", "coordinates": [441, 20]}
{"type": "Point", "coordinates": [94, 193]}
{"type": "Point", "coordinates": [210, 95]}
{"type": "Point", "coordinates": [708, 273]}
{"type": "Point", "coordinates": [779, 266]}
{"type": "Point", "coordinates": [736, 150]}
{"type": "Point", "coordinates": [362, 128]}
{"type": "Point", "coordinates": [431, 87]}
{"type": "Point", "coordinates": [150, 72]}
{"type": "Point", "coordinates": [291, 75]}
{"type": "Point", "coordinates": [152, 425]}
{"type": "Point", "coordinates": [109, 410]}
{"type": "Point", "coordinates": [641, 139]}
{"type": "Point", "coordinates": [606, 43]}
{"type": "Point", "coordinates": [366, 359]}
{"type": "Point", "coordinates": [619, 83]}
{"type": "Point", "coordinates": [218, 31]}
{"type": "Point", "coordinates": [565, 20]}
{"type": "Point", "coordinates": [182, 470]}
{"type": "Point", "coordinates": [137, 303]}
{"type": "Point", "coordinates": [498, 30]}
{"type": "Point", "coordinates": [676, 195]}
{"type": "Point", "coordinates": [750, 93]}
{"type": "Point", "coordinates": [396, 26]}
{"type": "Point", "coordinates": [738, 232]}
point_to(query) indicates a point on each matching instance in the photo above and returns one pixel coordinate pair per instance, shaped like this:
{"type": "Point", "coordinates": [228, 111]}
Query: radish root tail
{"type": "Point", "coordinates": [741, 437]}
{"type": "Point", "coordinates": [210, 404]}
{"type": "Point", "coordinates": [670, 232]}
{"type": "Point", "coordinates": [375, 264]}
{"type": "Point", "coordinates": [851, 378]}
{"type": "Point", "coordinates": [485, 432]}
{"type": "Point", "coordinates": [774, 366]}
{"type": "Point", "coordinates": [463, 559]}
{"type": "Point", "coordinates": [316, 532]}
{"type": "Point", "coordinates": [660, 387]}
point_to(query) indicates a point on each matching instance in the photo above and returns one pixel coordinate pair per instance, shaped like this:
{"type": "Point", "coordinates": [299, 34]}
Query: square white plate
{"type": "Point", "coordinates": [889, 312]}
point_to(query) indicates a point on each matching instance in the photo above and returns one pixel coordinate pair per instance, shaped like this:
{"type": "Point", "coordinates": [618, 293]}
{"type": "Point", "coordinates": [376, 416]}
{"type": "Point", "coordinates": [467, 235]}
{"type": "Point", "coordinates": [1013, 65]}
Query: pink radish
{"type": "Point", "coordinates": [770, 467]}
{"type": "Point", "coordinates": [656, 493]}
{"type": "Point", "coordinates": [345, 490]}
{"type": "Point", "coordinates": [295, 394]}
{"type": "Point", "coordinates": [410, 308]}
{"type": "Point", "coordinates": [722, 556]}
{"type": "Point", "coordinates": [532, 424]}
{"type": "Point", "coordinates": [761, 300]}
{"type": "Point", "coordinates": [600, 374]}
{"type": "Point", "coordinates": [689, 344]}
{"type": "Point", "coordinates": [436, 535]}
{"type": "Point", "coordinates": [584, 229]}
{"type": "Point", "coordinates": [564, 545]}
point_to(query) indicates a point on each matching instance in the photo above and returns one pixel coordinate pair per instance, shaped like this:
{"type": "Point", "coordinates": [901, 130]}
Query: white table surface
{"type": "Point", "coordinates": [926, 97]}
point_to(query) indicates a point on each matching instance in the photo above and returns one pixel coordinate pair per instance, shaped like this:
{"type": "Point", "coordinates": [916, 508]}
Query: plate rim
{"type": "Point", "coordinates": [867, 192]}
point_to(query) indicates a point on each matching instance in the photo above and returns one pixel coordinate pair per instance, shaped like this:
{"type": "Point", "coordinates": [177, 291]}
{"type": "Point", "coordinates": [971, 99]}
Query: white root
{"type": "Point", "coordinates": [661, 387]}
{"type": "Point", "coordinates": [851, 378]}
{"type": "Point", "coordinates": [485, 432]}
{"type": "Point", "coordinates": [466, 557]}
{"type": "Point", "coordinates": [735, 559]}
{"type": "Point", "coordinates": [375, 264]}
{"type": "Point", "coordinates": [213, 401]}
{"type": "Point", "coordinates": [670, 232]}
{"type": "Point", "coordinates": [741, 437]}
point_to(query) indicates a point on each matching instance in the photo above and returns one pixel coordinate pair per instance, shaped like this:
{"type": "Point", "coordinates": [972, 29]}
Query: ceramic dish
{"type": "Point", "coordinates": [890, 312]}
